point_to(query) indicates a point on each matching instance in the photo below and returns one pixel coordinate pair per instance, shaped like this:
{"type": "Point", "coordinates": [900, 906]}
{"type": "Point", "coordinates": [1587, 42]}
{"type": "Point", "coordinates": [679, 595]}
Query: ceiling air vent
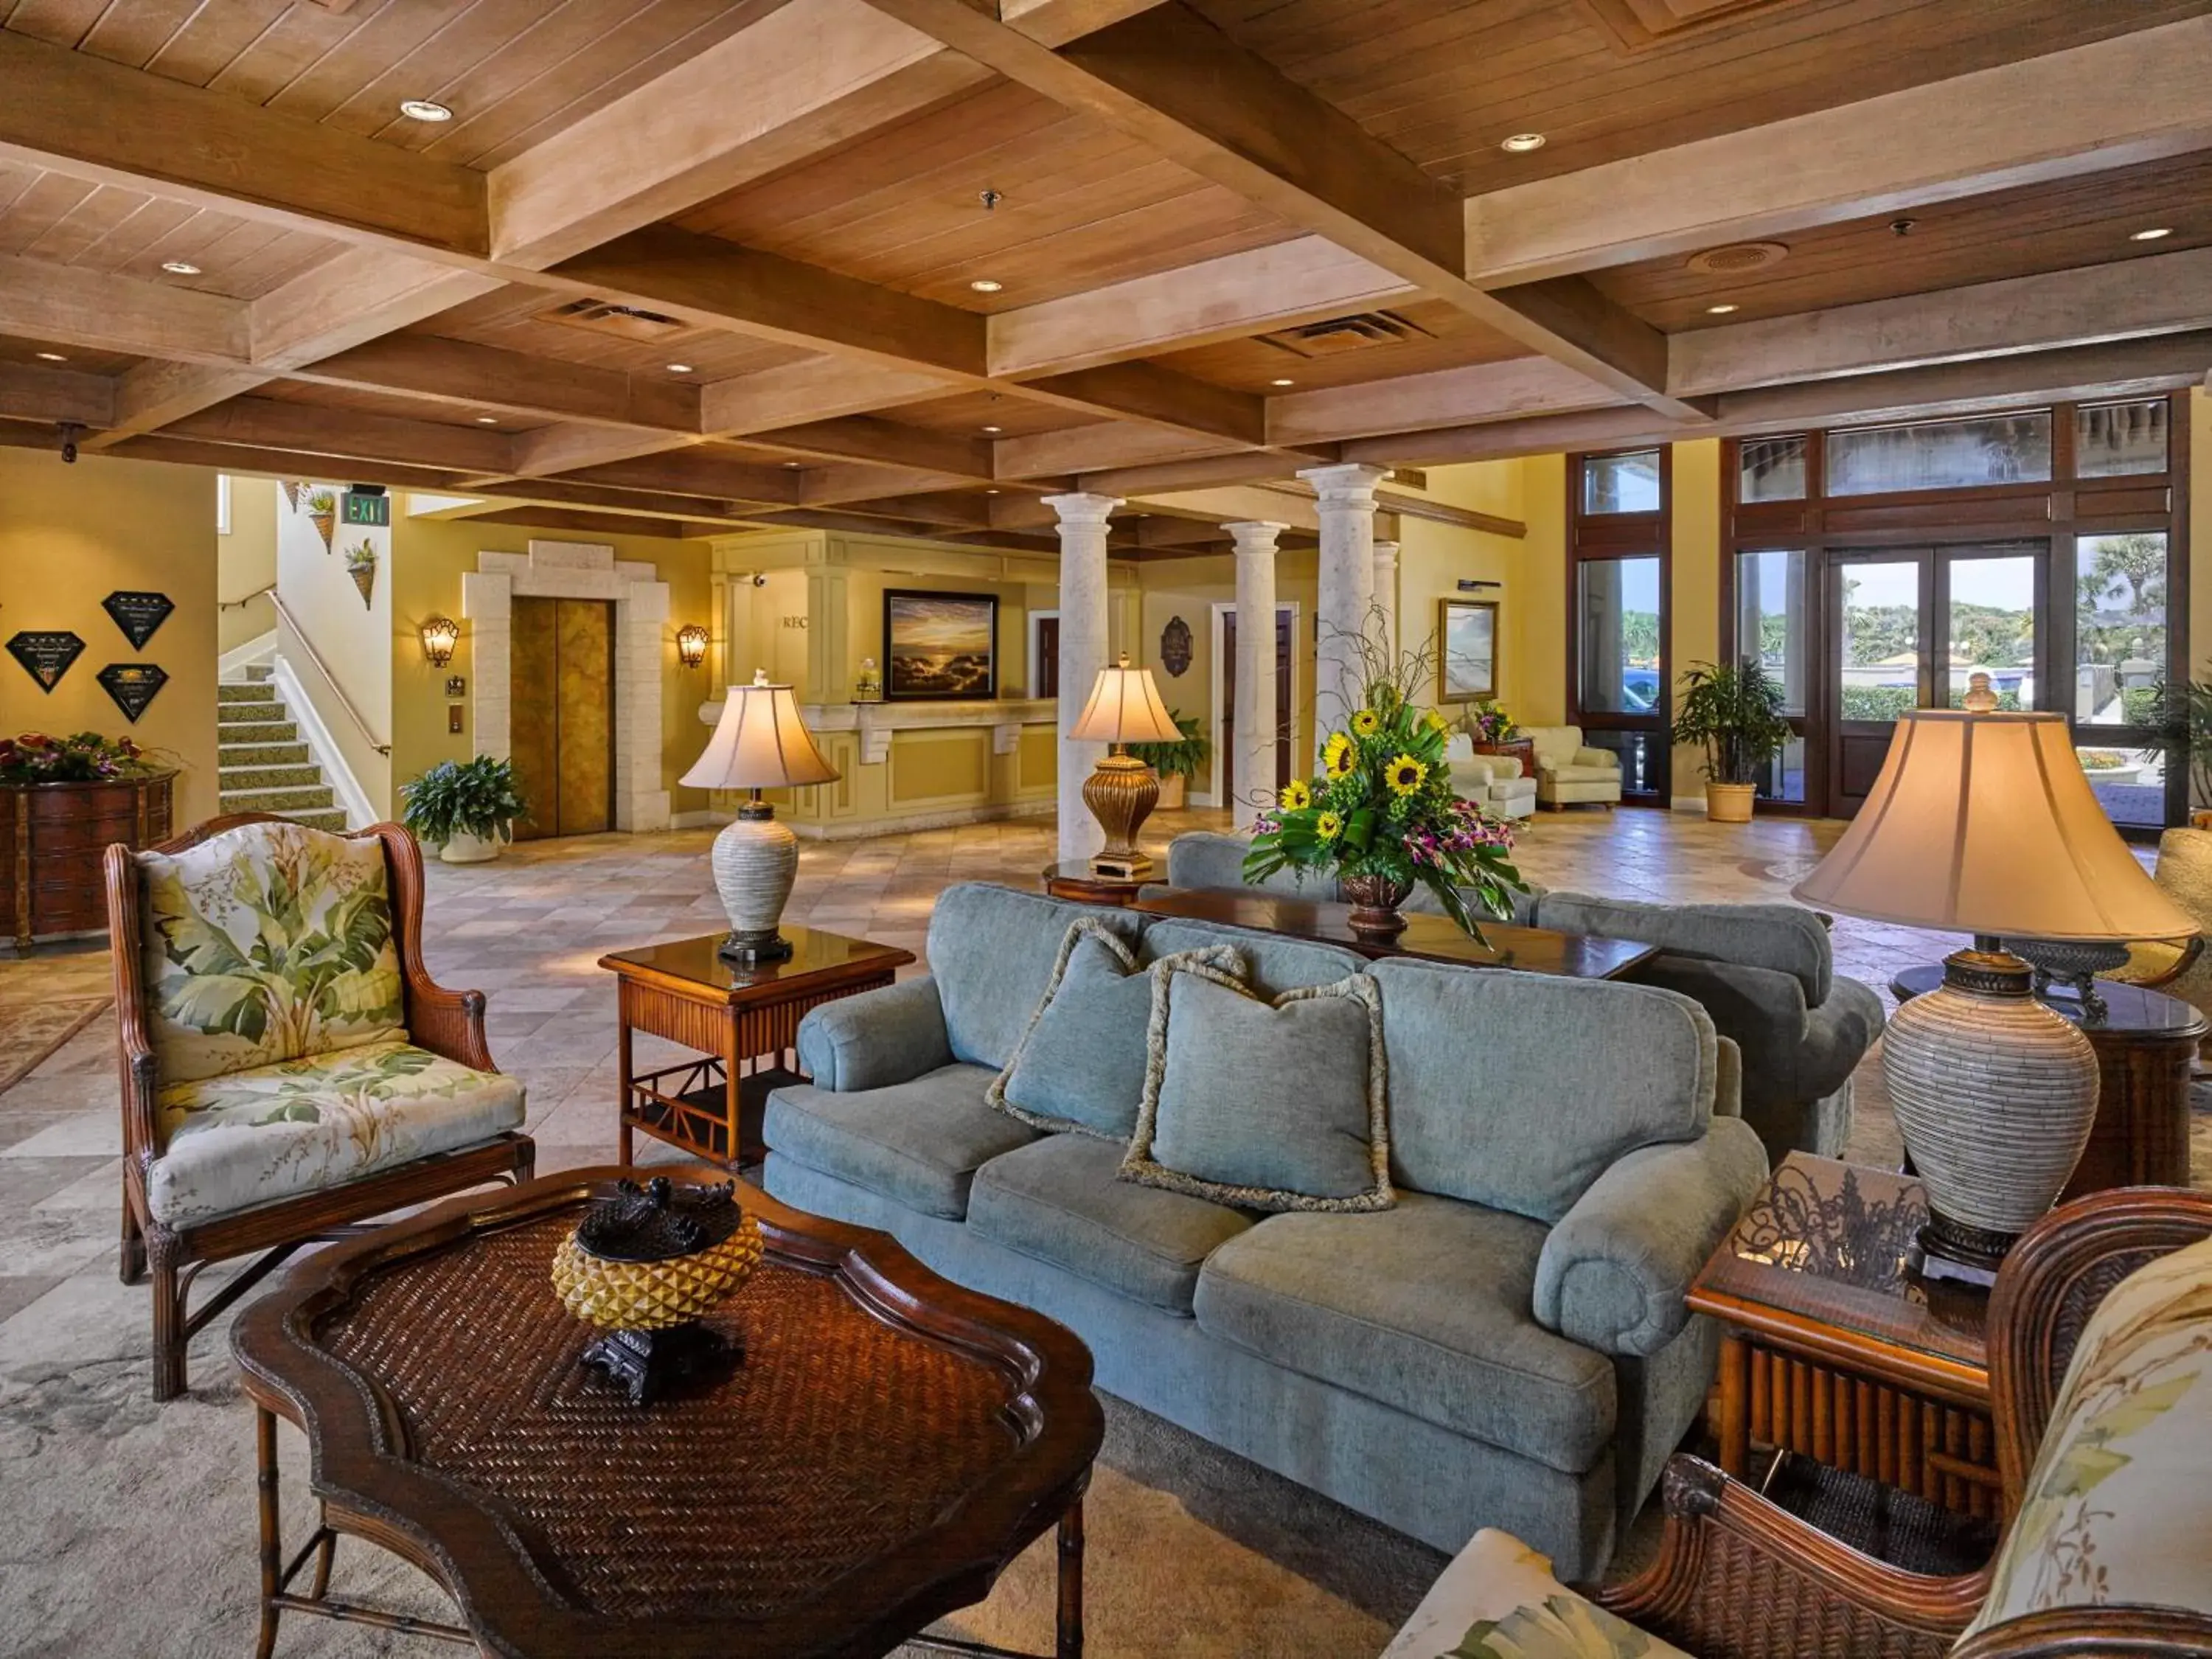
{"type": "Point", "coordinates": [1737, 257]}
{"type": "Point", "coordinates": [624, 322]}
{"type": "Point", "coordinates": [1339, 335]}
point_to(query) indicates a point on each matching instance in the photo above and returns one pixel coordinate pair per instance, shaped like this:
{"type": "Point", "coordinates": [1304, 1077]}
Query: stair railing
{"type": "Point", "coordinates": [329, 678]}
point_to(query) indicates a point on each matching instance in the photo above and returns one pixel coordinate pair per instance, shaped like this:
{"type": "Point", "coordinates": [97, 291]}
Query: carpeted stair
{"type": "Point", "coordinates": [265, 764]}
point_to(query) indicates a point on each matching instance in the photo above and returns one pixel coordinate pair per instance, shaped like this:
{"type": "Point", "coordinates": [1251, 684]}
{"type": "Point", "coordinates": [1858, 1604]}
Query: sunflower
{"type": "Point", "coordinates": [1294, 796]}
{"type": "Point", "coordinates": [1337, 755]}
{"type": "Point", "coordinates": [1366, 722]}
{"type": "Point", "coordinates": [1328, 826]}
{"type": "Point", "coordinates": [1435, 721]}
{"type": "Point", "coordinates": [1405, 775]}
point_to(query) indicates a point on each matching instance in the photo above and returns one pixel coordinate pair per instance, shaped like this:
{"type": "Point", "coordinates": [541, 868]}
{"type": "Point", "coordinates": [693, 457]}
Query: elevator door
{"type": "Point", "coordinates": [562, 724]}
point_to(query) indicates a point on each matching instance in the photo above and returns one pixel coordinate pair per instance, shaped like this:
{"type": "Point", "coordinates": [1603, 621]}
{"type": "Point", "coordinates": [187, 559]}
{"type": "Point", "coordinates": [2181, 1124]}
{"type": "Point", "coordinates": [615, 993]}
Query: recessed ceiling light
{"type": "Point", "coordinates": [487, 420]}
{"type": "Point", "coordinates": [985, 285]}
{"type": "Point", "coordinates": [994, 428]}
{"type": "Point", "coordinates": [1721, 310]}
{"type": "Point", "coordinates": [990, 492]}
{"type": "Point", "coordinates": [1282, 382]}
{"type": "Point", "coordinates": [180, 268]}
{"type": "Point", "coordinates": [679, 369]}
{"type": "Point", "coordinates": [2156, 233]}
{"type": "Point", "coordinates": [1522, 143]}
{"type": "Point", "coordinates": [424, 109]}
{"type": "Point", "coordinates": [52, 357]}
{"type": "Point", "coordinates": [791, 464]}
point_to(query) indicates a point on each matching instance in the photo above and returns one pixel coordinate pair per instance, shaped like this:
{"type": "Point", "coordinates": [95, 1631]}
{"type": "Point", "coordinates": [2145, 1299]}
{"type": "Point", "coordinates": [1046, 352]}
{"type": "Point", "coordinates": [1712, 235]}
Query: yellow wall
{"type": "Point", "coordinates": [1694, 601]}
{"type": "Point", "coordinates": [431, 556]}
{"type": "Point", "coordinates": [246, 563]}
{"type": "Point", "coordinates": [2200, 533]}
{"type": "Point", "coordinates": [1434, 558]}
{"type": "Point", "coordinates": [1542, 629]}
{"type": "Point", "coordinates": [69, 536]}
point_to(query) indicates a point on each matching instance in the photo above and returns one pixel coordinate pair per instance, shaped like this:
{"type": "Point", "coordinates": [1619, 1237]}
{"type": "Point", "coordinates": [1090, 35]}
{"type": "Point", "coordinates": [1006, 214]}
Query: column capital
{"type": "Point", "coordinates": [1086, 510]}
{"type": "Point", "coordinates": [1255, 534]}
{"type": "Point", "coordinates": [1353, 484]}
{"type": "Point", "coordinates": [1386, 552]}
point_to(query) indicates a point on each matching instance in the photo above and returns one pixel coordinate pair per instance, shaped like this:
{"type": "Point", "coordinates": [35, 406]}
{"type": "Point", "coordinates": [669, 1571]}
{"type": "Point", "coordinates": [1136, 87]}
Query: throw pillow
{"type": "Point", "coordinates": [1498, 1600]}
{"type": "Point", "coordinates": [1268, 1104]}
{"type": "Point", "coordinates": [1079, 1065]}
{"type": "Point", "coordinates": [266, 943]}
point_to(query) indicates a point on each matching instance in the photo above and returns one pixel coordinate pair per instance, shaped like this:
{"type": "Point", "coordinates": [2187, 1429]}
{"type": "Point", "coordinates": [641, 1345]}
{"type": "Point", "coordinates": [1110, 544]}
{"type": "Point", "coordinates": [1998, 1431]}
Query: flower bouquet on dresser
{"type": "Point", "coordinates": [1381, 816]}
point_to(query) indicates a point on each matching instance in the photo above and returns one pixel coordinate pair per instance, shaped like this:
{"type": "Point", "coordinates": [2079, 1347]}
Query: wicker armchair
{"type": "Point", "coordinates": [1737, 1578]}
{"type": "Point", "coordinates": [365, 1166]}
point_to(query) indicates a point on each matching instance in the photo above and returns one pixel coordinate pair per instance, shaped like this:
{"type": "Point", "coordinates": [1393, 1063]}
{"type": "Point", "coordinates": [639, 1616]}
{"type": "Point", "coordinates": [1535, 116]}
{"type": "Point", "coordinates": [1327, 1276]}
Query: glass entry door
{"type": "Point", "coordinates": [1620, 684]}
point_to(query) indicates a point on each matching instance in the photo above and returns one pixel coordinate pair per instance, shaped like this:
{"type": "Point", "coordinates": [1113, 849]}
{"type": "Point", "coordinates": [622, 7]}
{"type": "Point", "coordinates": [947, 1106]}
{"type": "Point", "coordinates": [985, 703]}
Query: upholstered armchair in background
{"type": "Point", "coordinates": [1568, 770]}
{"type": "Point", "coordinates": [288, 1068]}
{"type": "Point", "coordinates": [2180, 968]}
{"type": "Point", "coordinates": [1493, 782]}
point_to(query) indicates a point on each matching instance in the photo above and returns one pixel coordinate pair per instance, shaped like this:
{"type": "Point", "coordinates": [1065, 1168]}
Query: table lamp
{"type": "Point", "coordinates": [760, 743]}
{"type": "Point", "coordinates": [1983, 822]}
{"type": "Point", "coordinates": [1125, 708]}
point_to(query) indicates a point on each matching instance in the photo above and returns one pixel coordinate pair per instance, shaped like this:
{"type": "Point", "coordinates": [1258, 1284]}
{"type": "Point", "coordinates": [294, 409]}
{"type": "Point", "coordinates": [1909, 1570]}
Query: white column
{"type": "Point", "coordinates": [1386, 591]}
{"type": "Point", "coordinates": [1255, 712]}
{"type": "Point", "coordinates": [1347, 585]}
{"type": "Point", "coordinates": [1082, 654]}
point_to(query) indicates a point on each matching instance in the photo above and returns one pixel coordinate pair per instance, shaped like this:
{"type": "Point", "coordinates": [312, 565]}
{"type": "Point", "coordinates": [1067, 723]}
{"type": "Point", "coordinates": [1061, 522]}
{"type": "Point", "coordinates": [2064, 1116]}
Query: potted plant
{"type": "Point", "coordinates": [2184, 713]}
{"type": "Point", "coordinates": [323, 514]}
{"type": "Point", "coordinates": [1733, 713]}
{"type": "Point", "coordinates": [464, 808]}
{"type": "Point", "coordinates": [1490, 727]}
{"type": "Point", "coordinates": [1381, 814]}
{"type": "Point", "coordinates": [360, 565]}
{"type": "Point", "coordinates": [1174, 764]}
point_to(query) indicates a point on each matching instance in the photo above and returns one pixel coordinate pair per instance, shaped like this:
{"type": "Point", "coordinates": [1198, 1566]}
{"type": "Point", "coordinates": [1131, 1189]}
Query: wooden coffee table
{"type": "Point", "coordinates": [1431, 938]}
{"type": "Point", "coordinates": [890, 1443]}
{"type": "Point", "coordinates": [743, 1021]}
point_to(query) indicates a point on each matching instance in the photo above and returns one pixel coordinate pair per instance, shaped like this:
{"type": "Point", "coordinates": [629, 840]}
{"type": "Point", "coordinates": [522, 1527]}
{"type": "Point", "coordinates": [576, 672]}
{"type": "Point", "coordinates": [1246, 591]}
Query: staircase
{"type": "Point", "coordinates": [262, 762]}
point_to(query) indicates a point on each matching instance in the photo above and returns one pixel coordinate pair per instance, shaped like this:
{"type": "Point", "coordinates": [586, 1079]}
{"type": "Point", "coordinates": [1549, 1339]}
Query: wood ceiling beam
{"type": "Point", "coordinates": [71, 306]}
{"type": "Point", "coordinates": [280, 462]}
{"type": "Point", "coordinates": [1095, 448]}
{"type": "Point", "coordinates": [819, 389]}
{"type": "Point", "coordinates": [31, 391]}
{"type": "Point", "coordinates": [850, 522]}
{"type": "Point", "coordinates": [2163, 294]}
{"type": "Point", "coordinates": [559, 492]}
{"type": "Point", "coordinates": [862, 438]}
{"type": "Point", "coordinates": [348, 434]}
{"type": "Point", "coordinates": [1447, 397]}
{"type": "Point", "coordinates": [1247, 467]}
{"type": "Point", "coordinates": [586, 523]}
{"type": "Point", "coordinates": [467, 376]}
{"type": "Point", "coordinates": [857, 481]}
{"type": "Point", "coordinates": [2133, 98]}
{"type": "Point", "coordinates": [954, 512]}
{"type": "Point", "coordinates": [1169, 79]}
{"type": "Point", "coordinates": [699, 471]}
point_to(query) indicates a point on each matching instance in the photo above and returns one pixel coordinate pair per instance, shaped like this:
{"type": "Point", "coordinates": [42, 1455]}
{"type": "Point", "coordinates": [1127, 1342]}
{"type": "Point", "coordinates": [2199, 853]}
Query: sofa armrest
{"type": "Point", "coordinates": [876, 1039]}
{"type": "Point", "coordinates": [1612, 1275]}
{"type": "Point", "coordinates": [1588, 756]}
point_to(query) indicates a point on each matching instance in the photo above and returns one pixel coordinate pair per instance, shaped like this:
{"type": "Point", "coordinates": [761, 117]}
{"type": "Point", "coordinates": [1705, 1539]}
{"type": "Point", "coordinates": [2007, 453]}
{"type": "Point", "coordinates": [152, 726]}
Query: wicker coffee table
{"type": "Point", "coordinates": [890, 1444]}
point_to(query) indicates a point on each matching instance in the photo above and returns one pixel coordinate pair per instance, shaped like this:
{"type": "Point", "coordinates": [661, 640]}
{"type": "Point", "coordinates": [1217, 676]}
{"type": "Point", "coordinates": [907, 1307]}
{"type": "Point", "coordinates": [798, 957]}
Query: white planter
{"type": "Point", "coordinates": [469, 849]}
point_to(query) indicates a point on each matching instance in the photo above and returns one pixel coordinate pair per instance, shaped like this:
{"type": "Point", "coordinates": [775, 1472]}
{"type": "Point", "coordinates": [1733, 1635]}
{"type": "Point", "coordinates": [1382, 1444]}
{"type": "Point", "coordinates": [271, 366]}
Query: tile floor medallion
{"type": "Point", "coordinates": [128, 1528]}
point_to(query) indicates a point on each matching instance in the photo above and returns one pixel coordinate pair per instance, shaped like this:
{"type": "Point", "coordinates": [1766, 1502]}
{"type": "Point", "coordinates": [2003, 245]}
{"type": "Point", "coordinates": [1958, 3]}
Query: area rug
{"type": "Point", "coordinates": [31, 1031]}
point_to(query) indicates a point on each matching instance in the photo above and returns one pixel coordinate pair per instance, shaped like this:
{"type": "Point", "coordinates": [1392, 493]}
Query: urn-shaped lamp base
{"type": "Point", "coordinates": [755, 861]}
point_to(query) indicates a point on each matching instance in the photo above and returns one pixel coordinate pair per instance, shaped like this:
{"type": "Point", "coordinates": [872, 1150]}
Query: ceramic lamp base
{"type": "Point", "coordinates": [1121, 795]}
{"type": "Point", "coordinates": [755, 860]}
{"type": "Point", "coordinates": [1995, 1094]}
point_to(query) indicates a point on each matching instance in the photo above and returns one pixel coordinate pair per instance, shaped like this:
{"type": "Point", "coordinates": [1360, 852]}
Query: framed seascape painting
{"type": "Point", "coordinates": [940, 644]}
{"type": "Point", "coordinates": [1467, 650]}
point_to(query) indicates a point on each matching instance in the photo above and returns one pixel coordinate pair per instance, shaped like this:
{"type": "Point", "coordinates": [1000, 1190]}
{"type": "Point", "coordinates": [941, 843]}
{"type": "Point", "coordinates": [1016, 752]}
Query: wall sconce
{"type": "Point", "coordinates": [691, 645]}
{"type": "Point", "coordinates": [440, 635]}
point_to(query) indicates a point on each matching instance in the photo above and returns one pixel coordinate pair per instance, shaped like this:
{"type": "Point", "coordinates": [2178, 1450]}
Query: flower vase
{"type": "Point", "coordinates": [1375, 901]}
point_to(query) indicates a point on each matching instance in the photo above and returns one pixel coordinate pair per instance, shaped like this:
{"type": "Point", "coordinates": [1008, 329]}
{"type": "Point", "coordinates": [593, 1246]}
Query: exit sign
{"type": "Point", "coordinates": [372, 510]}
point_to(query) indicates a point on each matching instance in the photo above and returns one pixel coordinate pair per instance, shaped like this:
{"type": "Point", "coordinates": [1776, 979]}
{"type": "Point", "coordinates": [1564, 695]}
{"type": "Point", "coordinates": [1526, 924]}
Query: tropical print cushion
{"type": "Point", "coordinates": [267, 943]}
{"type": "Point", "coordinates": [2118, 1507]}
{"type": "Point", "coordinates": [245, 1137]}
{"type": "Point", "coordinates": [1498, 1600]}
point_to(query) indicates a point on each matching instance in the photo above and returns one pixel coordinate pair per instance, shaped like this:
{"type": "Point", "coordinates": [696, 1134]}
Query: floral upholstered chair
{"type": "Point", "coordinates": [288, 1069]}
{"type": "Point", "coordinates": [2101, 1356]}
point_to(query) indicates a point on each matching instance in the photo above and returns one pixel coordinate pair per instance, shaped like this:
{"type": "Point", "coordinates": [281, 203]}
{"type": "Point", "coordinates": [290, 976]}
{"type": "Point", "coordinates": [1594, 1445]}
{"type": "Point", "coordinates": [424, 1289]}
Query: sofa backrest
{"type": "Point", "coordinates": [1204, 858]}
{"type": "Point", "coordinates": [1275, 964]}
{"type": "Point", "coordinates": [1554, 745]}
{"type": "Point", "coordinates": [1781, 937]}
{"type": "Point", "coordinates": [991, 950]}
{"type": "Point", "coordinates": [1517, 1091]}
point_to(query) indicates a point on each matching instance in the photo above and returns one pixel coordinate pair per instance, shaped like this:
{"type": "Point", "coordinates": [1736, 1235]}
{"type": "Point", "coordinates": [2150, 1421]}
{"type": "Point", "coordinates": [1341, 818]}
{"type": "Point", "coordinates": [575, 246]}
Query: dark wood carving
{"type": "Point", "coordinates": [51, 835]}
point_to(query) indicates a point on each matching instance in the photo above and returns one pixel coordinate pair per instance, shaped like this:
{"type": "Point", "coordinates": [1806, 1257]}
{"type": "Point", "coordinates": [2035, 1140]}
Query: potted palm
{"type": "Point", "coordinates": [464, 808]}
{"type": "Point", "coordinates": [1174, 764]}
{"type": "Point", "coordinates": [1734, 715]}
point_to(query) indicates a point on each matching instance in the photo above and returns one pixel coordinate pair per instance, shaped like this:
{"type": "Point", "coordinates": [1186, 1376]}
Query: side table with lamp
{"type": "Point", "coordinates": [1125, 708]}
{"type": "Point", "coordinates": [1984, 822]}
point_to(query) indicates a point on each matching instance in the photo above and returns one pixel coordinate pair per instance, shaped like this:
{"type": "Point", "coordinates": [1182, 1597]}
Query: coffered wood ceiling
{"type": "Point", "coordinates": [776, 213]}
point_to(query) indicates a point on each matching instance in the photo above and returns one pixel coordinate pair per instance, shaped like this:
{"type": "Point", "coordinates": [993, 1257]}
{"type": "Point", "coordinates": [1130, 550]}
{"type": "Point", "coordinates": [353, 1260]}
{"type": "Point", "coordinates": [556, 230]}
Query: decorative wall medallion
{"type": "Point", "coordinates": [133, 685]}
{"type": "Point", "coordinates": [140, 616]}
{"type": "Point", "coordinates": [46, 654]}
{"type": "Point", "coordinates": [1175, 647]}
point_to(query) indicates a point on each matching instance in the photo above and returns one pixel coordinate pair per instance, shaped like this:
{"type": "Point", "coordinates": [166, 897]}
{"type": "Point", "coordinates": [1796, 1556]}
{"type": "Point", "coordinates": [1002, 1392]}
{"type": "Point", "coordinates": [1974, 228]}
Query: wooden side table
{"type": "Point", "coordinates": [1081, 883]}
{"type": "Point", "coordinates": [1833, 1350]}
{"type": "Point", "coordinates": [742, 1020]}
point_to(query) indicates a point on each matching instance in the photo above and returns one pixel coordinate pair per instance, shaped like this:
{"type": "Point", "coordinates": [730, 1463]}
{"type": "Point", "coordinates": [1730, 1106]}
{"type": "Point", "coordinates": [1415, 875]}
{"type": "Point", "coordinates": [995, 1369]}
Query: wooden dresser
{"type": "Point", "coordinates": [53, 834]}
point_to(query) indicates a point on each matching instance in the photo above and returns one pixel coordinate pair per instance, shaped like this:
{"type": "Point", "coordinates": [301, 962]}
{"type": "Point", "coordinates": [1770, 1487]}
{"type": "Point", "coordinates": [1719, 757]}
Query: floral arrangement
{"type": "Point", "coordinates": [88, 757]}
{"type": "Point", "coordinates": [1485, 722]}
{"type": "Point", "coordinates": [1382, 814]}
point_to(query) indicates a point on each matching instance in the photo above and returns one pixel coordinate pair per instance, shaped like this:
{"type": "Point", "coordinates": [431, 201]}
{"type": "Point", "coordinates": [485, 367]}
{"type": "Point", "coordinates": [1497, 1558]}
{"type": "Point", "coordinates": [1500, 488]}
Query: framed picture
{"type": "Point", "coordinates": [1467, 650]}
{"type": "Point", "coordinates": [940, 644]}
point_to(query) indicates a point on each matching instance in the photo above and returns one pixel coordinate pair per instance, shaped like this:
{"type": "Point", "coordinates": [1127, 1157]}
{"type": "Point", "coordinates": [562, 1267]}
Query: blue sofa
{"type": "Point", "coordinates": [1507, 1347]}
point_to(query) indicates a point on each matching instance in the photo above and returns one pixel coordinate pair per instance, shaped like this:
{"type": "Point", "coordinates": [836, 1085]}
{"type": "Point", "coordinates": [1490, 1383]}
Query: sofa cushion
{"type": "Point", "coordinates": [920, 1143]}
{"type": "Point", "coordinates": [1274, 964]}
{"type": "Point", "coordinates": [1574, 772]}
{"type": "Point", "coordinates": [1780, 936]}
{"type": "Point", "coordinates": [1518, 1091]}
{"type": "Point", "coordinates": [991, 951]}
{"type": "Point", "coordinates": [1500, 1598]}
{"type": "Point", "coordinates": [1060, 1200]}
{"type": "Point", "coordinates": [1204, 858]}
{"type": "Point", "coordinates": [267, 943]}
{"type": "Point", "coordinates": [1269, 1104]}
{"type": "Point", "coordinates": [1080, 1066]}
{"type": "Point", "coordinates": [243, 1138]}
{"type": "Point", "coordinates": [1426, 1308]}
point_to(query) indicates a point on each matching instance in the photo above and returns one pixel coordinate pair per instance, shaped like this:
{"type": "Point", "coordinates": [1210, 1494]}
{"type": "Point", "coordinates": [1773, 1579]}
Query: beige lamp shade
{"type": "Point", "coordinates": [1984, 824]}
{"type": "Point", "coordinates": [760, 743]}
{"type": "Point", "coordinates": [1124, 707]}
